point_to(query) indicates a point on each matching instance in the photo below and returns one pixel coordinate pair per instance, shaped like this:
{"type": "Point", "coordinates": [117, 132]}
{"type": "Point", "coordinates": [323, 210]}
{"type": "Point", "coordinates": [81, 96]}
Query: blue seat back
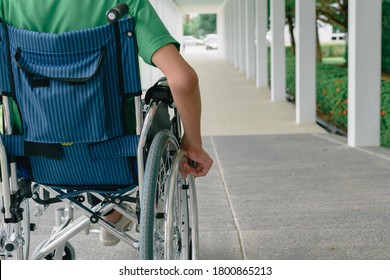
{"type": "Point", "coordinates": [71, 90]}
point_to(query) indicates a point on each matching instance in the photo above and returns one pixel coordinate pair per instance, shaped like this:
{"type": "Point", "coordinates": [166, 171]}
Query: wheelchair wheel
{"type": "Point", "coordinates": [68, 253]}
{"type": "Point", "coordinates": [165, 222]}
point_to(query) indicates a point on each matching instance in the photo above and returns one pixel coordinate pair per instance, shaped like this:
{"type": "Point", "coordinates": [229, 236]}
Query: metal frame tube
{"type": "Point", "coordinates": [68, 230]}
{"type": "Point", "coordinates": [5, 167]}
{"type": "Point", "coordinates": [138, 114]}
{"type": "Point", "coordinates": [142, 142]}
{"type": "Point", "coordinates": [10, 184]}
{"type": "Point", "coordinates": [6, 191]}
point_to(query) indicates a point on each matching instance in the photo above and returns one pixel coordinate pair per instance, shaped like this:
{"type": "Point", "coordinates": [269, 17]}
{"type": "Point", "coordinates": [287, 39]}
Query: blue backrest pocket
{"type": "Point", "coordinates": [61, 95]}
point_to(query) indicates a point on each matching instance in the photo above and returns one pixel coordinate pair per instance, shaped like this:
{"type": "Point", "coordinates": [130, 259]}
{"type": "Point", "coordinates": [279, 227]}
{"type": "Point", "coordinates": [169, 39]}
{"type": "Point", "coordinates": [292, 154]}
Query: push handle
{"type": "Point", "coordinates": [115, 13]}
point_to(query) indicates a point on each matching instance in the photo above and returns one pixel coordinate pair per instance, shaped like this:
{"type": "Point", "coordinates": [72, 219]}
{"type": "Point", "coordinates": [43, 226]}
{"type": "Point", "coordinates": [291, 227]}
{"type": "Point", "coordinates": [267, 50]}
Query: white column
{"type": "Point", "coordinates": [250, 39]}
{"type": "Point", "coordinates": [364, 72]}
{"type": "Point", "coordinates": [227, 30]}
{"type": "Point", "coordinates": [172, 18]}
{"type": "Point", "coordinates": [231, 29]}
{"type": "Point", "coordinates": [225, 12]}
{"type": "Point", "coordinates": [262, 44]}
{"type": "Point", "coordinates": [147, 76]}
{"type": "Point", "coordinates": [278, 52]}
{"type": "Point", "coordinates": [241, 37]}
{"type": "Point", "coordinates": [221, 32]}
{"type": "Point", "coordinates": [236, 30]}
{"type": "Point", "coordinates": [305, 92]}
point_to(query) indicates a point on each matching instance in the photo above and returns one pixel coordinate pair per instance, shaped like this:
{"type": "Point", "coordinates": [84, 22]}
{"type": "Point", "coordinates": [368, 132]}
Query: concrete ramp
{"type": "Point", "coordinates": [232, 105]}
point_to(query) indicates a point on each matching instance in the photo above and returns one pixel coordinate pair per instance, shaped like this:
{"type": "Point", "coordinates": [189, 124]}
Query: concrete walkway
{"type": "Point", "coordinates": [277, 190]}
{"type": "Point", "coordinates": [280, 190]}
{"type": "Point", "coordinates": [232, 105]}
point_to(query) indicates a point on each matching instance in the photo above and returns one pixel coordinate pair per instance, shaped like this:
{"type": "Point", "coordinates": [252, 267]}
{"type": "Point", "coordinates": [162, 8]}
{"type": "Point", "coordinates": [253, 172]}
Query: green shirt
{"type": "Point", "coordinates": [58, 16]}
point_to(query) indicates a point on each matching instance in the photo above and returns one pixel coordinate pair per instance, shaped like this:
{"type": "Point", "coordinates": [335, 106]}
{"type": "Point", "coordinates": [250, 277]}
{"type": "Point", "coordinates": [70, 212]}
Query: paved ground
{"type": "Point", "coordinates": [277, 190]}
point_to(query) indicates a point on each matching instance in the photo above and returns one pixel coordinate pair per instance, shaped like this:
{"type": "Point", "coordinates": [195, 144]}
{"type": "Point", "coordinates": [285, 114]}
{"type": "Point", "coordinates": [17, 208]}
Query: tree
{"type": "Point", "coordinates": [208, 22]}
{"type": "Point", "coordinates": [290, 19]}
{"type": "Point", "coordinates": [201, 25]}
{"type": "Point", "coordinates": [333, 12]}
{"type": "Point", "coordinates": [386, 36]}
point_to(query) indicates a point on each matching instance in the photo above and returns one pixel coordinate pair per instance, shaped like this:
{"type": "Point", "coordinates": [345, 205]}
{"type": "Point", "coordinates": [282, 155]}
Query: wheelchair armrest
{"type": "Point", "coordinates": [160, 91]}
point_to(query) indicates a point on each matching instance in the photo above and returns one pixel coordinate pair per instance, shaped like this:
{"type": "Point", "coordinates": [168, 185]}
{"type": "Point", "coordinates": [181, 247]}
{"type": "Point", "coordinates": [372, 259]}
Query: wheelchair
{"type": "Point", "coordinates": [72, 147]}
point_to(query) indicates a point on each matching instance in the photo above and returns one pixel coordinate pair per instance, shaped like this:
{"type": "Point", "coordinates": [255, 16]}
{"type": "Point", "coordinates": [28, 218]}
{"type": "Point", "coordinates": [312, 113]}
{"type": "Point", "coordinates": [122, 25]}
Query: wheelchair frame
{"type": "Point", "coordinates": [177, 223]}
{"type": "Point", "coordinates": [14, 236]}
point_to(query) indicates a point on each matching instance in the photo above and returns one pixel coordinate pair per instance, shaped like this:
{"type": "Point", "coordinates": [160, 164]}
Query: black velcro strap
{"type": "Point", "coordinates": [9, 94]}
{"type": "Point", "coordinates": [119, 57]}
{"type": "Point", "coordinates": [54, 151]}
{"type": "Point", "coordinates": [39, 83]}
{"type": "Point", "coordinates": [77, 83]}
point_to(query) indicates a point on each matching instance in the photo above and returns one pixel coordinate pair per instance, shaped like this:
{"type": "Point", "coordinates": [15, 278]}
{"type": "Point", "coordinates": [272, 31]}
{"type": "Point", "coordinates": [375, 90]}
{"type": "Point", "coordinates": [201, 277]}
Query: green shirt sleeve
{"type": "Point", "coordinates": [150, 31]}
{"type": "Point", "coordinates": [1, 11]}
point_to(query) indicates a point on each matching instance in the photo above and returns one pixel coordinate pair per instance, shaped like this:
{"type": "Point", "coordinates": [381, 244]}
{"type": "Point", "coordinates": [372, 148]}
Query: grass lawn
{"type": "Point", "coordinates": [334, 60]}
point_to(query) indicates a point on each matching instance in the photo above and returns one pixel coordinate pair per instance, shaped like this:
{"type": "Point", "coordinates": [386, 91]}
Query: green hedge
{"type": "Point", "coordinates": [333, 49]}
{"type": "Point", "coordinates": [290, 72]}
{"type": "Point", "coordinates": [332, 82]}
{"type": "Point", "coordinates": [386, 35]}
{"type": "Point", "coordinates": [385, 114]}
{"type": "Point", "coordinates": [332, 95]}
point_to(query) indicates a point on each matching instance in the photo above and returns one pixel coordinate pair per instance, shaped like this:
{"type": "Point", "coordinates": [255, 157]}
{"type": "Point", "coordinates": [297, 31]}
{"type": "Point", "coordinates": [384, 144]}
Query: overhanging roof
{"type": "Point", "coordinates": [199, 6]}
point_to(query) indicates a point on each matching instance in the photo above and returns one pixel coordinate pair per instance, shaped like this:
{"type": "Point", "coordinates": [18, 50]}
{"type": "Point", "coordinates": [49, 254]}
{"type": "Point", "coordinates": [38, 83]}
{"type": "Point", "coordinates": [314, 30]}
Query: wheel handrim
{"type": "Point", "coordinates": [159, 218]}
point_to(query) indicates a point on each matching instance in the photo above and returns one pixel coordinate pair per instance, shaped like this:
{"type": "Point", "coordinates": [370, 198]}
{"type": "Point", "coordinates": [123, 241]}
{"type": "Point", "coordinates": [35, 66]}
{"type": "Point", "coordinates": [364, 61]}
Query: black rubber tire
{"type": "Point", "coordinates": [157, 170]}
{"type": "Point", "coordinates": [68, 254]}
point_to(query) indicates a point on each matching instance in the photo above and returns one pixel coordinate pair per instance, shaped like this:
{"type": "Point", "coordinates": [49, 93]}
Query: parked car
{"type": "Point", "coordinates": [211, 42]}
{"type": "Point", "coordinates": [191, 41]}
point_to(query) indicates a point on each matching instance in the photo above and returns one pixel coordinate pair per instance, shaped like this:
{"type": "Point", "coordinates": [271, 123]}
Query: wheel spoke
{"type": "Point", "coordinates": [165, 227]}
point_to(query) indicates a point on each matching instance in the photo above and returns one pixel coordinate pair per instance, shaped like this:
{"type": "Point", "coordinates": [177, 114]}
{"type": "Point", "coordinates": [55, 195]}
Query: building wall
{"type": "Point", "coordinates": [325, 32]}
